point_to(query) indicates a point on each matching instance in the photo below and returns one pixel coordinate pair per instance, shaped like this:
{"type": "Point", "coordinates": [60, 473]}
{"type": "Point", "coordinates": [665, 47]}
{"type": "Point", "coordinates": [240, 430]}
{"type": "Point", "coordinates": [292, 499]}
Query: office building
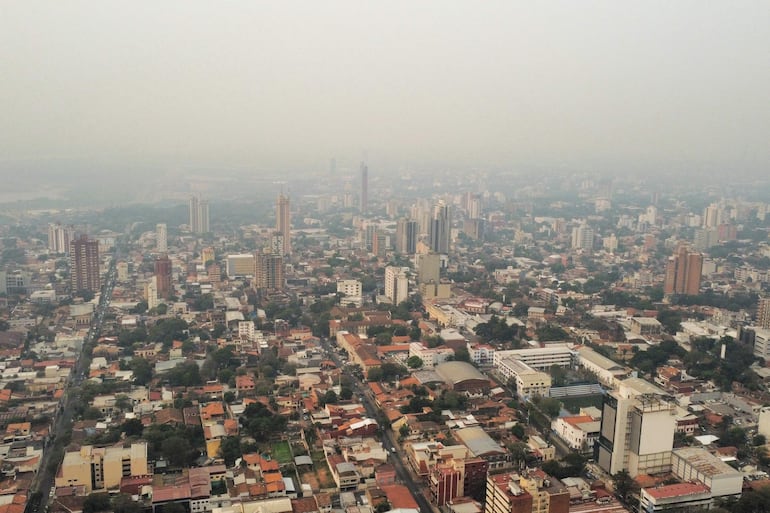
{"type": "Point", "coordinates": [474, 228]}
{"type": "Point", "coordinates": [760, 339]}
{"type": "Point", "coordinates": [440, 228]}
{"type": "Point", "coordinates": [637, 433]}
{"type": "Point", "coordinates": [583, 237]}
{"type": "Point", "coordinates": [683, 272]}
{"type": "Point", "coordinates": [161, 238]}
{"type": "Point", "coordinates": [763, 312]}
{"type": "Point", "coordinates": [163, 276]}
{"type": "Point", "coordinates": [283, 222]}
{"type": "Point", "coordinates": [396, 284]}
{"type": "Point", "coordinates": [406, 236]}
{"type": "Point", "coordinates": [540, 358]}
{"type": "Point", "coordinates": [60, 237]}
{"type": "Point", "coordinates": [268, 272]}
{"type": "Point", "coordinates": [84, 264]}
{"type": "Point", "coordinates": [364, 188]}
{"type": "Point", "coordinates": [199, 215]}
{"type": "Point", "coordinates": [102, 468]}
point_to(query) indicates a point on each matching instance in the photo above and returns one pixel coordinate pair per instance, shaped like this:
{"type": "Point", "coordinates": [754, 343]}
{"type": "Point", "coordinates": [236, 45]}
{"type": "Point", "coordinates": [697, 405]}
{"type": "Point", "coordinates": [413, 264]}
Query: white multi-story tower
{"type": "Point", "coordinates": [161, 237]}
{"type": "Point", "coordinates": [396, 284]}
{"type": "Point", "coordinates": [637, 433]}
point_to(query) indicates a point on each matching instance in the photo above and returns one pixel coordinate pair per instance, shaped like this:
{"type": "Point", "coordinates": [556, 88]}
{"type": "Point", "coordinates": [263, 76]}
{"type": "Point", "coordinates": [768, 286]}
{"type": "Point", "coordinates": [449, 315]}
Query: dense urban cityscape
{"type": "Point", "coordinates": [596, 347]}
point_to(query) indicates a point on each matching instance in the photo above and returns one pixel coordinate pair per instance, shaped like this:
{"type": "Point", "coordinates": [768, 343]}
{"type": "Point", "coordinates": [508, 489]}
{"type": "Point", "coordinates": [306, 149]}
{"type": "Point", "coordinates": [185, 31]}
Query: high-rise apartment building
{"type": "Point", "coordinates": [396, 284]}
{"type": "Point", "coordinates": [199, 215]}
{"type": "Point", "coordinates": [276, 243]}
{"type": "Point", "coordinates": [163, 276]}
{"type": "Point", "coordinates": [637, 431]}
{"type": "Point", "coordinates": [440, 228]}
{"type": "Point", "coordinates": [583, 237]}
{"type": "Point", "coordinates": [161, 237]}
{"type": "Point", "coordinates": [406, 236]}
{"type": "Point", "coordinates": [763, 312]}
{"type": "Point", "coordinates": [84, 264]}
{"type": "Point", "coordinates": [364, 188]}
{"type": "Point", "coordinates": [60, 237]}
{"type": "Point", "coordinates": [283, 221]}
{"type": "Point", "coordinates": [683, 272]}
{"type": "Point", "coordinates": [268, 272]}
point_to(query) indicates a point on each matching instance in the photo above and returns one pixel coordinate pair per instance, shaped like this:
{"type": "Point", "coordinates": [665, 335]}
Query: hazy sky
{"type": "Point", "coordinates": [282, 83]}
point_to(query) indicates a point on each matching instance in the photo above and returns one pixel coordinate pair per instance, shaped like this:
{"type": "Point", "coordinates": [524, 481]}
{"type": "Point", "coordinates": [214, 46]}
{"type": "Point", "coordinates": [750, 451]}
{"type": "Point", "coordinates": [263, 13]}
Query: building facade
{"type": "Point", "coordinates": [84, 264]}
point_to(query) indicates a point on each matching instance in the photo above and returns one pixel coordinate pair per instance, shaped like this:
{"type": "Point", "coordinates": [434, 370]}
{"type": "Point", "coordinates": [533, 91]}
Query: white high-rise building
{"type": "Point", "coordinates": [396, 284]}
{"type": "Point", "coordinates": [151, 293]}
{"type": "Point", "coordinates": [637, 434]}
{"type": "Point", "coordinates": [59, 238]}
{"type": "Point", "coordinates": [583, 237]}
{"type": "Point", "coordinates": [161, 237]}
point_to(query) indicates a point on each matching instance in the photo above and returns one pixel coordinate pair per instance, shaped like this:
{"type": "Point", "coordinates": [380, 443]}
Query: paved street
{"type": "Point", "coordinates": [63, 421]}
{"type": "Point", "coordinates": [397, 459]}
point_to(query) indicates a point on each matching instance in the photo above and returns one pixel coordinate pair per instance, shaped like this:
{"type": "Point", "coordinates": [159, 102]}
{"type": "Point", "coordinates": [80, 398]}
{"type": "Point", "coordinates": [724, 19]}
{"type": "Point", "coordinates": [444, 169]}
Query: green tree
{"type": "Point", "coordinates": [97, 502]}
{"type": "Point", "coordinates": [414, 362]}
{"type": "Point", "coordinates": [230, 450]}
{"type": "Point", "coordinates": [623, 484]}
{"type": "Point", "coordinates": [142, 371]}
{"type": "Point", "coordinates": [177, 451]}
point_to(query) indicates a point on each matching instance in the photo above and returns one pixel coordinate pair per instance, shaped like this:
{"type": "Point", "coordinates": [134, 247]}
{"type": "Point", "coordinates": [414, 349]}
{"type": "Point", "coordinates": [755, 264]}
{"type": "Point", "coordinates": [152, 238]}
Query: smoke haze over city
{"type": "Point", "coordinates": [259, 88]}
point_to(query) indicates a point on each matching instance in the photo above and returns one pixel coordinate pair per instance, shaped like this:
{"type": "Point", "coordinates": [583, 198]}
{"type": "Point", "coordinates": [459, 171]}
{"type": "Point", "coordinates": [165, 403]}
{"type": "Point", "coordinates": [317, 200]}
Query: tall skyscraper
{"type": "Point", "coordinates": [161, 238]}
{"type": "Point", "coordinates": [268, 272]}
{"type": "Point", "coordinates": [283, 221]}
{"type": "Point", "coordinates": [396, 284]}
{"type": "Point", "coordinates": [60, 237]}
{"type": "Point", "coordinates": [683, 272]}
{"type": "Point", "coordinates": [406, 236]}
{"type": "Point", "coordinates": [364, 188]}
{"type": "Point", "coordinates": [163, 276]}
{"type": "Point", "coordinates": [440, 228]}
{"type": "Point", "coordinates": [763, 312]}
{"type": "Point", "coordinates": [199, 215]}
{"type": "Point", "coordinates": [84, 264]}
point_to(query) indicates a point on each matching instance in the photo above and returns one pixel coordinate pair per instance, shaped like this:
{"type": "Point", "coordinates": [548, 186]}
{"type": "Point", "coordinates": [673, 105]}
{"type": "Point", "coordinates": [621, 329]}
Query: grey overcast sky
{"type": "Point", "coordinates": [287, 83]}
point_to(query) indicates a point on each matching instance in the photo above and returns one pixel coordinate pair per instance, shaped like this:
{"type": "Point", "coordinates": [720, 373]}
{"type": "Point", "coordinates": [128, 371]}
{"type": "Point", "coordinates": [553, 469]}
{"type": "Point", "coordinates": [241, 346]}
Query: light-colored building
{"type": "Point", "coordinates": [645, 326]}
{"type": "Point", "coordinates": [430, 357]}
{"type": "Point", "coordinates": [102, 468]}
{"type": "Point", "coordinates": [637, 431]}
{"type": "Point", "coordinates": [697, 464]}
{"type": "Point", "coordinates": [680, 497]}
{"type": "Point", "coordinates": [539, 358]}
{"type": "Point", "coordinates": [607, 371]}
{"type": "Point", "coordinates": [396, 284]}
{"type": "Point", "coordinates": [761, 343]}
{"type": "Point", "coordinates": [580, 432]}
{"type": "Point", "coordinates": [529, 382]}
{"type": "Point", "coordinates": [161, 237]}
{"type": "Point", "coordinates": [481, 354]}
{"type": "Point", "coordinates": [240, 265]}
{"type": "Point", "coordinates": [352, 292]}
